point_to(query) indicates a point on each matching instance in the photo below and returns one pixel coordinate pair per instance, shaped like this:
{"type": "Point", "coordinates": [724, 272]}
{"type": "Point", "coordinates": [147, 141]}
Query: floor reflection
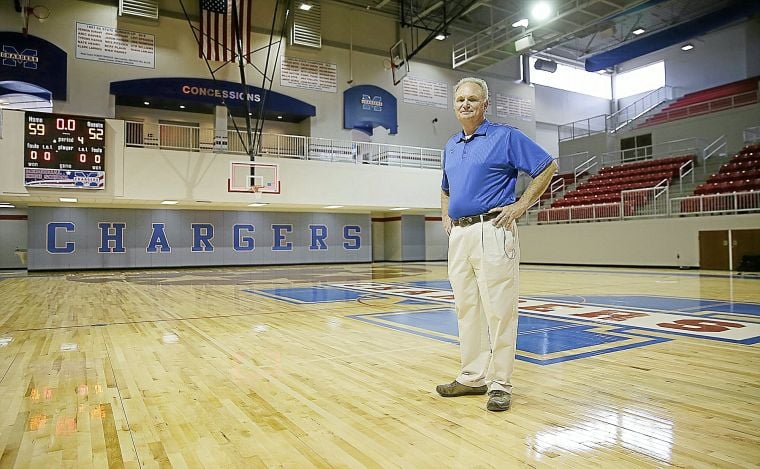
{"type": "Point", "coordinates": [633, 429]}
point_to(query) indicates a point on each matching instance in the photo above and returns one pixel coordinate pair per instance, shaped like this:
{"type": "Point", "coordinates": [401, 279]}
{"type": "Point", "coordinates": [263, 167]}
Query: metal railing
{"type": "Point", "coordinates": [734, 202]}
{"type": "Point", "coordinates": [177, 137]}
{"type": "Point", "coordinates": [582, 128]}
{"type": "Point", "coordinates": [717, 147]}
{"type": "Point", "coordinates": [686, 146]}
{"type": "Point", "coordinates": [584, 168]}
{"type": "Point", "coordinates": [621, 118]}
{"type": "Point", "coordinates": [556, 187]}
{"type": "Point", "coordinates": [572, 158]}
{"type": "Point", "coordinates": [653, 202]}
{"type": "Point", "coordinates": [646, 202]}
{"type": "Point", "coordinates": [683, 171]}
{"type": "Point", "coordinates": [705, 107]}
{"type": "Point", "coordinates": [595, 212]}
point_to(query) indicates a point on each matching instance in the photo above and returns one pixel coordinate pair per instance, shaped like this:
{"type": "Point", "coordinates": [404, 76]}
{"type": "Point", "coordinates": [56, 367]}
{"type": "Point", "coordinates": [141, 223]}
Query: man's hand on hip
{"type": "Point", "coordinates": [509, 213]}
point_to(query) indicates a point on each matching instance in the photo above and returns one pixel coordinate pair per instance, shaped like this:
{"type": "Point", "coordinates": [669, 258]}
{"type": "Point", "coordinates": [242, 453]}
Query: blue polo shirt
{"type": "Point", "coordinates": [480, 173]}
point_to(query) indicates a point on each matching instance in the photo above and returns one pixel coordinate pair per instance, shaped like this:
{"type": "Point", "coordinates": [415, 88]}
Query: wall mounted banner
{"type": "Point", "coordinates": [116, 46]}
{"type": "Point", "coordinates": [367, 106]}
{"type": "Point", "coordinates": [426, 92]}
{"type": "Point", "coordinates": [88, 238]}
{"type": "Point", "coordinates": [514, 107]}
{"type": "Point", "coordinates": [308, 74]}
{"type": "Point", "coordinates": [29, 59]}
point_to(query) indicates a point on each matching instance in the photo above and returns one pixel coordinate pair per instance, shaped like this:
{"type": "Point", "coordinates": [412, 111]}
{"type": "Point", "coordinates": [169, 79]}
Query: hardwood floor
{"type": "Point", "coordinates": [336, 366]}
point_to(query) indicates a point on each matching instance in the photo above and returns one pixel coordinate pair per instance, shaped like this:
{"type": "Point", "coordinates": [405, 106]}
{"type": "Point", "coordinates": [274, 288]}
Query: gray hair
{"type": "Point", "coordinates": [477, 81]}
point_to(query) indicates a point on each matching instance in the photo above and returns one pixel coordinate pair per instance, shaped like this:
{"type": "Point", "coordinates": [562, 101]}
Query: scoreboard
{"type": "Point", "coordinates": [64, 151]}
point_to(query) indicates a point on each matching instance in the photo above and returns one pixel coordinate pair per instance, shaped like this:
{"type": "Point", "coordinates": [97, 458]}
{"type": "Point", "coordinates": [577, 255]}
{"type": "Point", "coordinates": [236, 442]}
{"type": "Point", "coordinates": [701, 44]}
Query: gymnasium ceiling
{"type": "Point", "coordinates": [483, 34]}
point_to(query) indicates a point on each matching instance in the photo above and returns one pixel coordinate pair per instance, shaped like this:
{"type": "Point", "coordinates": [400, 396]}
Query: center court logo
{"type": "Point", "coordinates": [12, 57]}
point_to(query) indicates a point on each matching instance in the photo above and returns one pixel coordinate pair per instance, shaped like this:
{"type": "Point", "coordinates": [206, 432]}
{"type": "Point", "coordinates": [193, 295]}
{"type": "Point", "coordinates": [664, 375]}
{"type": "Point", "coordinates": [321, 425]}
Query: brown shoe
{"type": "Point", "coordinates": [499, 401]}
{"type": "Point", "coordinates": [454, 389]}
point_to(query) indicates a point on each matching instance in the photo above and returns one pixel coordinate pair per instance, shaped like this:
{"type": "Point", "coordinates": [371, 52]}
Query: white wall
{"type": "Point", "coordinates": [648, 242]}
{"type": "Point", "coordinates": [555, 106]}
{"type": "Point", "coordinates": [436, 240]}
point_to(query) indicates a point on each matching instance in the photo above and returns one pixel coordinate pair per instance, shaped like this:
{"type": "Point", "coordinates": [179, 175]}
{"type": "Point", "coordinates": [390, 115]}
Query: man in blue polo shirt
{"type": "Point", "coordinates": [479, 211]}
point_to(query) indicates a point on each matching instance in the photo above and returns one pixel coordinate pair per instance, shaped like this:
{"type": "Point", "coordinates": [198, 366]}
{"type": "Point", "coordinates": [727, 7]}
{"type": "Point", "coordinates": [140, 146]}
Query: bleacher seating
{"type": "Point", "coordinates": [721, 97]}
{"type": "Point", "coordinates": [600, 195]}
{"type": "Point", "coordinates": [739, 175]}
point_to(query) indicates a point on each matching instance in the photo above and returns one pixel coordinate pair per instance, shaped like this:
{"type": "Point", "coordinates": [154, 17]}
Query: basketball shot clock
{"type": "Point", "coordinates": [64, 151]}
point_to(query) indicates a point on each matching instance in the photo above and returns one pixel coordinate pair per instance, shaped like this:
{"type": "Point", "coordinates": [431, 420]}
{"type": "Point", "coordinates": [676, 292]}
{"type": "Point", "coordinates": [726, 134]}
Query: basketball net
{"type": "Point", "coordinates": [256, 191]}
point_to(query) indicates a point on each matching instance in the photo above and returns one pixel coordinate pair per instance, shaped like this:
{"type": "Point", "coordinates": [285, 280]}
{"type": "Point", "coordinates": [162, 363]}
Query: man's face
{"type": "Point", "coordinates": [470, 104]}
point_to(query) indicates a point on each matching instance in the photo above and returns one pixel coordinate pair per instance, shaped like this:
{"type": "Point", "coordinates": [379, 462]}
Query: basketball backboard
{"type": "Point", "coordinates": [246, 176]}
{"type": "Point", "coordinates": [399, 62]}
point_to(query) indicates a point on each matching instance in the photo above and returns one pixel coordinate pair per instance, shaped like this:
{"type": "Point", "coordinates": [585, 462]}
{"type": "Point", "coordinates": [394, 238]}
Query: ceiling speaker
{"type": "Point", "coordinates": [524, 42]}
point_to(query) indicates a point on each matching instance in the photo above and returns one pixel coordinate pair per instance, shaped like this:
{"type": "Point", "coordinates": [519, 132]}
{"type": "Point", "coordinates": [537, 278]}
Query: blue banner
{"type": "Point", "coordinates": [217, 93]}
{"type": "Point", "coordinates": [367, 106]}
{"type": "Point", "coordinates": [29, 59]}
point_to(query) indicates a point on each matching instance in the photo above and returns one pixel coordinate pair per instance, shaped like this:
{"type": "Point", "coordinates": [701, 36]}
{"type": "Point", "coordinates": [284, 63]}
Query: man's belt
{"type": "Point", "coordinates": [471, 220]}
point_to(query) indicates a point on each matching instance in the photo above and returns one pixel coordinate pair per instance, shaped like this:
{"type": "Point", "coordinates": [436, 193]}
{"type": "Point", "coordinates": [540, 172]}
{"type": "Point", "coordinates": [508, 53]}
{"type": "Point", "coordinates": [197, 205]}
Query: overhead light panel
{"type": "Point", "coordinates": [333, 206]}
{"type": "Point", "coordinates": [639, 31]}
{"type": "Point", "coordinates": [687, 47]}
{"type": "Point", "coordinates": [256, 204]}
{"type": "Point", "coordinates": [399, 209]}
{"type": "Point", "coordinates": [169, 202]}
{"type": "Point", "coordinates": [523, 23]}
{"type": "Point", "coordinates": [441, 37]}
{"type": "Point", "coordinates": [305, 6]}
{"type": "Point", "coordinates": [71, 200]}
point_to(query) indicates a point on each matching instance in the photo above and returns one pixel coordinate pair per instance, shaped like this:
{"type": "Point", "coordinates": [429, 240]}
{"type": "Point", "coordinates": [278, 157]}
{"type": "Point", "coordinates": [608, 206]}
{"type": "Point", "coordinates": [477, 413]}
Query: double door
{"type": "Point", "coordinates": [724, 249]}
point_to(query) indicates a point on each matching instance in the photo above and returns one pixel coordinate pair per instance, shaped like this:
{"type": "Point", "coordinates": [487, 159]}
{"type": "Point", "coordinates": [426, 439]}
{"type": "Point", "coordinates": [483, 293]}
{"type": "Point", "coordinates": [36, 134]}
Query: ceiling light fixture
{"type": "Point", "coordinates": [639, 31]}
{"type": "Point", "coordinates": [256, 204]}
{"type": "Point", "coordinates": [182, 106]}
{"type": "Point", "coordinates": [305, 7]}
{"type": "Point", "coordinates": [333, 206]}
{"type": "Point", "coordinates": [541, 11]}
{"type": "Point", "coordinates": [169, 202]}
{"type": "Point", "coordinates": [523, 23]}
{"type": "Point", "coordinates": [72, 200]}
{"type": "Point", "coordinates": [687, 47]}
{"type": "Point", "coordinates": [441, 37]}
{"type": "Point", "coordinates": [400, 208]}
{"type": "Point", "coordinates": [147, 103]}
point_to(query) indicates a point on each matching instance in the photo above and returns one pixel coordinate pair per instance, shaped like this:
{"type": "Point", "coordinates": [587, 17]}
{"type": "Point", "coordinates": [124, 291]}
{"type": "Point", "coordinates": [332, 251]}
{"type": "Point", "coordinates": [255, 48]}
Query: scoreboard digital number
{"type": "Point", "coordinates": [64, 151]}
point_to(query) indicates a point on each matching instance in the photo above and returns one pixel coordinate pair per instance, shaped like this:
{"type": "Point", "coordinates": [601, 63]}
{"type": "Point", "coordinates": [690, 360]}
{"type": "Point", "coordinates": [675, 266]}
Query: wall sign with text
{"type": "Point", "coordinates": [64, 151]}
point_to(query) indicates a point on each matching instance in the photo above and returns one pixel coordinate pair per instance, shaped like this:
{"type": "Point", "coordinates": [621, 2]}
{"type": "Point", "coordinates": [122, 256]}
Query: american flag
{"type": "Point", "coordinates": [218, 39]}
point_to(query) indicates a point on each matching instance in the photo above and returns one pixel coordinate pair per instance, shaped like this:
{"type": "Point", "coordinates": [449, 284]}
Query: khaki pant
{"type": "Point", "coordinates": [483, 271]}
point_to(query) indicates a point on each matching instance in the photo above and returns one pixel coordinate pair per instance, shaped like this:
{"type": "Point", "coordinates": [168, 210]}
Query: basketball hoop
{"type": "Point", "coordinates": [256, 191]}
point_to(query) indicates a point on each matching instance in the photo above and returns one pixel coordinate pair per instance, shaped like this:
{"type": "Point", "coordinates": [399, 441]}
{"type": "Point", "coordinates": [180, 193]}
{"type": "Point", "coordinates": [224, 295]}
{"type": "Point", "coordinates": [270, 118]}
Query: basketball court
{"type": "Point", "coordinates": [336, 366]}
